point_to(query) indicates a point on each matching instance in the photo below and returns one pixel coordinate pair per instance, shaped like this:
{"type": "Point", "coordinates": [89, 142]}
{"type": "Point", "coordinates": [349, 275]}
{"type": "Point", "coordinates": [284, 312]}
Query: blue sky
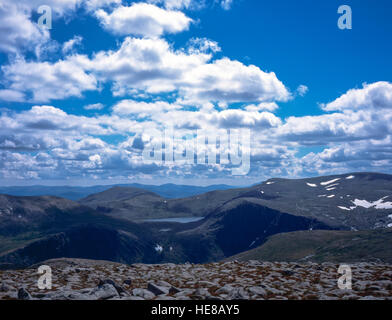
{"type": "Point", "coordinates": [79, 102]}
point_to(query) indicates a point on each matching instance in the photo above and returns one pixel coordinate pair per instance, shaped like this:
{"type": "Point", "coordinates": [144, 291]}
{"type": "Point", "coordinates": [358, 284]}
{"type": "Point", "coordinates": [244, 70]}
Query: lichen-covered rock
{"type": "Point", "coordinates": [104, 292]}
{"type": "Point", "coordinates": [76, 279]}
{"type": "Point", "coordinates": [23, 294]}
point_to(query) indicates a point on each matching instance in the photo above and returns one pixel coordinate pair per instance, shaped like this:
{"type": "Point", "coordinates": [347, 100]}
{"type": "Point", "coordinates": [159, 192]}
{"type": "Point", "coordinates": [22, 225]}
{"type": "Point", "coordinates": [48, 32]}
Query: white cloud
{"type": "Point", "coordinates": [143, 19]}
{"type": "Point", "coordinates": [226, 4]}
{"type": "Point", "coordinates": [239, 118]}
{"type": "Point", "coordinates": [203, 45]}
{"type": "Point", "coordinates": [68, 144]}
{"type": "Point", "coordinates": [17, 31]}
{"type": "Point", "coordinates": [179, 4]}
{"type": "Point", "coordinates": [95, 4]}
{"type": "Point", "coordinates": [95, 106]}
{"type": "Point", "coordinates": [376, 96]}
{"type": "Point", "coordinates": [47, 81]}
{"type": "Point", "coordinates": [70, 45]}
{"type": "Point", "coordinates": [11, 95]}
{"type": "Point", "coordinates": [152, 66]}
{"type": "Point", "coordinates": [232, 81]}
{"type": "Point", "coordinates": [142, 109]}
{"type": "Point", "coordinates": [327, 128]}
{"type": "Point", "coordinates": [60, 7]}
{"type": "Point", "coordinates": [263, 106]}
{"type": "Point", "coordinates": [360, 114]}
{"type": "Point", "coordinates": [302, 90]}
{"type": "Point", "coordinates": [45, 141]}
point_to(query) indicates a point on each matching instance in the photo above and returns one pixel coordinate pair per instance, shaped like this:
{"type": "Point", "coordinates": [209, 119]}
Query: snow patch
{"type": "Point", "coordinates": [158, 248]}
{"type": "Point", "coordinates": [270, 182]}
{"type": "Point", "coordinates": [329, 182]}
{"type": "Point", "coordinates": [311, 185]}
{"type": "Point", "coordinates": [344, 208]}
{"type": "Point", "coordinates": [331, 196]}
{"type": "Point", "coordinates": [390, 225]}
{"type": "Point", "coordinates": [363, 203]}
{"type": "Point", "coordinates": [350, 177]}
{"type": "Point", "coordinates": [330, 189]}
{"type": "Point", "coordinates": [322, 195]}
{"type": "Point", "coordinates": [379, 204]}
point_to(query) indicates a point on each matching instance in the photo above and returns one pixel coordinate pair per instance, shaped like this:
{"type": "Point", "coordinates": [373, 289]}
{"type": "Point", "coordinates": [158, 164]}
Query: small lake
{"type": "Point", "coordinates": [177, 220]}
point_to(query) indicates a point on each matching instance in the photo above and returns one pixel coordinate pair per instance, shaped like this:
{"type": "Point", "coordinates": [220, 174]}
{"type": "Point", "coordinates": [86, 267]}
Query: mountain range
{"type": "Point", "coordinates": [169, 190]}
{"type": "Point", "coordinates": [337, 218]}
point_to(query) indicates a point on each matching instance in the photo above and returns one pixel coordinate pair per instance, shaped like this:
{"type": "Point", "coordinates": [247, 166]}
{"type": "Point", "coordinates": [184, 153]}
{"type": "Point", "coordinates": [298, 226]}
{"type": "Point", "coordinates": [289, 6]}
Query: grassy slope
{"type": "Point", "coordinates": [321, 246]}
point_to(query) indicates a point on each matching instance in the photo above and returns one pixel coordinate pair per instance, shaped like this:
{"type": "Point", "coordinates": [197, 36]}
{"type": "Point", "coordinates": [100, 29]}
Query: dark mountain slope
{"type": "Point", "coordinates": [36, 228]}
{"type": "Point", "coordinates": [88, 242]}
{"type": "Point", "coordinates": [324, 246]}
{"type": "Point", "coordinates": [27, 214]}
{"type": "Point", "coordinates": [125, 202]}
{"type": "Point", "coordinates": [246, 225]}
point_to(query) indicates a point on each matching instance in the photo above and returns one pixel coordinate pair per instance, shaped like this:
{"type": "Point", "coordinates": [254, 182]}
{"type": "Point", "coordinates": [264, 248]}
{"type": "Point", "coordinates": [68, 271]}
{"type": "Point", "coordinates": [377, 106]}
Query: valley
{"type": "Point", "coordinates": [325, 219]}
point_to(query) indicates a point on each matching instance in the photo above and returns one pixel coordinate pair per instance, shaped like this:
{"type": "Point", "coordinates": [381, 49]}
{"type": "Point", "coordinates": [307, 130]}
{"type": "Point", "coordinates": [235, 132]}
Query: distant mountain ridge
{"type": "Point", "coordinates": [170, 191]}
{"type": "Point", "coordinates": [357, 201]}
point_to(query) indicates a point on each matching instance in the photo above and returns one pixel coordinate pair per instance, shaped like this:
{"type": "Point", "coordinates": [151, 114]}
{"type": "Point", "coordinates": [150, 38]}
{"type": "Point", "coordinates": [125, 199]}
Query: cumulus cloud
{"type": "Point", "coordinates": [226, 4]}
{"type": "Point", "coordinates": [176, 4]}
{"type": "Point", "coordinates": [263, 106]}
{"type": "Point", "coordinates": [351, 140]}
{"type": "Point", "coordinates": [141, 108]}
{"type": "Point", "coordinates": [69, 144]}
{"type": "Point", "coordinates": [142, 64]}
{"type": "Point", "coordinates": [232, 81]}
{"type": "Point", "coordinates": [241, 118]}
{"type": "Point", "coordinates": [359, 114]}
{"type": "Point", "coordinates": [94, 106]}
{"type": "Point", "coordinates": [46, 81]}
{"type": "Point", "coordinates": [143, 19]}
{"type": "Point", "coordinates": [11, 95]}
{"type": "Point", "coordinates": [324, 129]}
{"type": "Point", "coordinates": [96, 4]}
{"type": "Point", "coordinates": [147, 66]}
{"type": "Point", "coordinates": [203, 45]}
{"type": "Point", "coordinates": [302, 90]}
{"type": "Point", "coordinates": [187, 89]}
{"type": "Point", "coordinates": [376, 96]}
{"type": "Point", "coordinates": [70, 45]}
{"type": "Point", "coordinates": [60, 7]}
{"type": "Point", "coordinates": [17, 31]}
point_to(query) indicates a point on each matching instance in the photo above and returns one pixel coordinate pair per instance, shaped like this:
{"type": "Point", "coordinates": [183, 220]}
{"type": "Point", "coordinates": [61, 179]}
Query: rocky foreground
{"type": "Point", "coordinates": [76, 279]}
